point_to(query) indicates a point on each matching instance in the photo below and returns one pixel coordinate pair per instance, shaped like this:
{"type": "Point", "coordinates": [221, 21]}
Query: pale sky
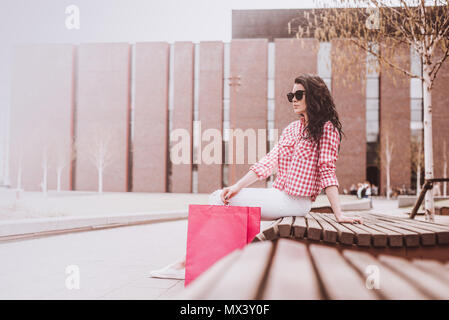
{"type": "Point", "coordinates": [128, 20]}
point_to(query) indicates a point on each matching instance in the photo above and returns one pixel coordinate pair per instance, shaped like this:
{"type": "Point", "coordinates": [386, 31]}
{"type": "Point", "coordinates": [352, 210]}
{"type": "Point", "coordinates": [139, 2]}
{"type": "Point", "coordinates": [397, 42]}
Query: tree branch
{"type": "Point", "coordinates": [437, 66]}
{"type": "Point", "coordinates": [381, 58]}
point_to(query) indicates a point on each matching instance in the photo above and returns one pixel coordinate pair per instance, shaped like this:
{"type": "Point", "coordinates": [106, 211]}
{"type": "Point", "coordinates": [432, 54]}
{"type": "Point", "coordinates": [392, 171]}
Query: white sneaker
{"type": "Point", "coordinates": [169, 272]}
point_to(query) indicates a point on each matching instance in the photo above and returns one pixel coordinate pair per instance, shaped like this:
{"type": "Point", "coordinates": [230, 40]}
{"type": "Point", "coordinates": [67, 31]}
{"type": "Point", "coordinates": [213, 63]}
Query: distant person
{"type": "Point", "coordinates": [366, 192]}
{"type": "Point", "coordinates": [359, 190]}
{"type": "Point", "coordinates": [374, 190]}
{"type": "Point", "coordinates": [353, 190]}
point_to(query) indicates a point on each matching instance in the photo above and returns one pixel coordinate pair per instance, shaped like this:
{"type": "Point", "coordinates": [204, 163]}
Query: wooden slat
{"type": "Point", "coordinates": [411, 238]}
{"type": "Point", "coordinates": [314, 230]}
{"type": "Point", "coordinates": [285, 227]}
{"type": "Point", "coordinates": [246, 274]}
{"type": "Point", "coordinates": [434, 267]}
{"type": "Point", "coordinates": [420, 222]}
{"type": "Point", "coordinates": [200, 287]}
{"type": "Point", "coordinates": [380, 237]}
{"type": "Point", "coordinates": [291, 275]}
{"type": "Point", "coordinates": [339, 279]}
{"type": "Point", "coordinates": [391, 285]}
{"type": "Point", "coordinates": [442, 235]}
{"type": "Point", "coordinates": [362, 237]}
{"type": "Point", "coordinates": [299, 227]}
{"type": "Point", "coordinates": [329, 232]}
{"type": "Point", "coordinates": [344, 235]}
{"type": "Point", "coordinates": [426, 282]}
{"type": "Point", "coordinates": [427, 238]}
{"type": "Point", "coordinates": [272, 231]}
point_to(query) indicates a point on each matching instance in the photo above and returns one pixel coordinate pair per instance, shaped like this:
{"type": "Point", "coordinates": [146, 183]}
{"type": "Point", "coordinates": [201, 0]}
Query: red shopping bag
{"type": "Point", "coordinates": [214, 231]}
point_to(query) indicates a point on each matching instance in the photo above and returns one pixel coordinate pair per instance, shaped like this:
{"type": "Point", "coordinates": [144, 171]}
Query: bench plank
{"type": "Point", "coordinates": [250, 267]}
{"type": "Point", "coordinates": [391, 285]}
{"type": "Point", "coordinates": [299, 227]}
{"type": "Point", "coordinates": [339, 278]}
{"type": "Point", "coordinates": [272, 231]}
{"type": "Point", "coordinates": [285, 227]}
{"type": "Point", "coordinates": [362, 237]}
{"type": "Point", "coordinates": [411, 239]}
{"type": "Point", "coordinates": [291, 274]}
{"type": "Point", "coordinates": [424, 281]}
{"type": "Point", "coordinates": [314, 230]}
{"type": "Point", "coordinates": [442, 235]}
{"type": "Point", "coordinates": [379, 238]}
{"type": "Point", "coordinates": [344, 235]}
{"type": "Point", "coordinates": [329, 232]}
{"type": "Point", "coordinates": [433, 266]}
{"type": "Point", "coordinates": [417, 222]}
{"type": "Point", "coordinates": [427, 238]}
{"type": "Point", "coordinates": [199, 288]}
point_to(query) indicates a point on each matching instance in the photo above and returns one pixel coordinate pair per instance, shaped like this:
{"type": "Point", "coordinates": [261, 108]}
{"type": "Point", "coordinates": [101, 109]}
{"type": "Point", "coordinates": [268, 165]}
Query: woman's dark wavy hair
{"type": "Point", "coordinates": [320, 106]}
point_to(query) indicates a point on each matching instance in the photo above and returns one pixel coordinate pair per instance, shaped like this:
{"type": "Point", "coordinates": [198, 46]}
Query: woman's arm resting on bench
{"type": "Point", "coordinates": [332, 195]}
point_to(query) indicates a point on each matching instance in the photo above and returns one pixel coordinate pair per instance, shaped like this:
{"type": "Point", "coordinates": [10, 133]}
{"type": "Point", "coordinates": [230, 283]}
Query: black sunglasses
{"type": "Point", "coordinates": [298, 95]}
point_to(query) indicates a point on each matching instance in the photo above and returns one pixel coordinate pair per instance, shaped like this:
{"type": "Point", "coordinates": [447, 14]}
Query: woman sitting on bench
{"type": "Point", "coordinates": [304, 160]}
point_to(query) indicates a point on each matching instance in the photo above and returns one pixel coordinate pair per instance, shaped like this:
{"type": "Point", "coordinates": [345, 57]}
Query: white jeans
{"type": "Point", "coordinates": [274, 203]}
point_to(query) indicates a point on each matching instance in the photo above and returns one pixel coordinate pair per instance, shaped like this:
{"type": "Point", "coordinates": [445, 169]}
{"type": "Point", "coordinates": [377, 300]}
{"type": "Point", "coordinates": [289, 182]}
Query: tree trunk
{"type": "Point", "coordinates": [428, 143]}
{"type": "Point", "coordinates": [418, 180]}
{"type": "Point", "coordinates": [445, 168]}
{"type": "Point", "coordinates": [44, 180]}
{"type": "Point", "coordinates": [445, 176]}
{"type": "Point", "coordinates": [59, 174]}
{"type": "Point", "coordinates": [100, 180]}
{"type": "Point", "coordinates": [388, 181]}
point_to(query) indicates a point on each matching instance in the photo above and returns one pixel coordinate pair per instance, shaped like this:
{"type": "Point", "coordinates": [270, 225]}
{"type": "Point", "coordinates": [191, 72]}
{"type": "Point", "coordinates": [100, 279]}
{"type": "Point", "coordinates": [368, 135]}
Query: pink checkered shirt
{"type": "Point", "coordinates": [299, 172]}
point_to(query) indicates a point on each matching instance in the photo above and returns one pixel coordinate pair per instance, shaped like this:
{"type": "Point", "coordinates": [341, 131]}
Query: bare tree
{"type": "Point", "coordinates": [100, 150]}
{"type": "Point", "coordinates": [381, 28]}
{"type": "Point", "coordinates": [45, 167]}
{"type": "Point", "coordinates": [445, 167]}
{"type": "Point", "coordinates": [387, 155]}
{"type": "Point", "coordinates": [65, 153]}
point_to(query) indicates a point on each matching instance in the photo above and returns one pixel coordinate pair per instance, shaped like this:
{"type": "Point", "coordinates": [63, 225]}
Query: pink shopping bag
{"type": "Point", "coordinates": [214, 231]}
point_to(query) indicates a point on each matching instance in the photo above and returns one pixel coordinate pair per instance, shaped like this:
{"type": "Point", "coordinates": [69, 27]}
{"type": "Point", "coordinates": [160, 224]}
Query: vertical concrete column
{"type": "Point", "coordinates": [349, 93]}
{"type": "Point", "coordinates": [293, 57]}
{"type": "Point", "coordinates": [248, 105]}
{"type": "Point", "coordinates": [210, 116]}
{"type": "Point", "coordinates": [182, 118]}
{"type": "Point", "coordinates": [150, 138]}
{"type": "Point", "coordinates": [102, 115]}
{"type": "Point", "coordinates": [395, 122]}
{"type": "Point", "coordinates": [42, 115]}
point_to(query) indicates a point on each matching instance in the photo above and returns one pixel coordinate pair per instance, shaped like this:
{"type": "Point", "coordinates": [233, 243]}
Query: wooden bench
{"type": "Point", "coordinates": [380, 234]}
{"type": "Point", "coordinates": [289, 269]}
